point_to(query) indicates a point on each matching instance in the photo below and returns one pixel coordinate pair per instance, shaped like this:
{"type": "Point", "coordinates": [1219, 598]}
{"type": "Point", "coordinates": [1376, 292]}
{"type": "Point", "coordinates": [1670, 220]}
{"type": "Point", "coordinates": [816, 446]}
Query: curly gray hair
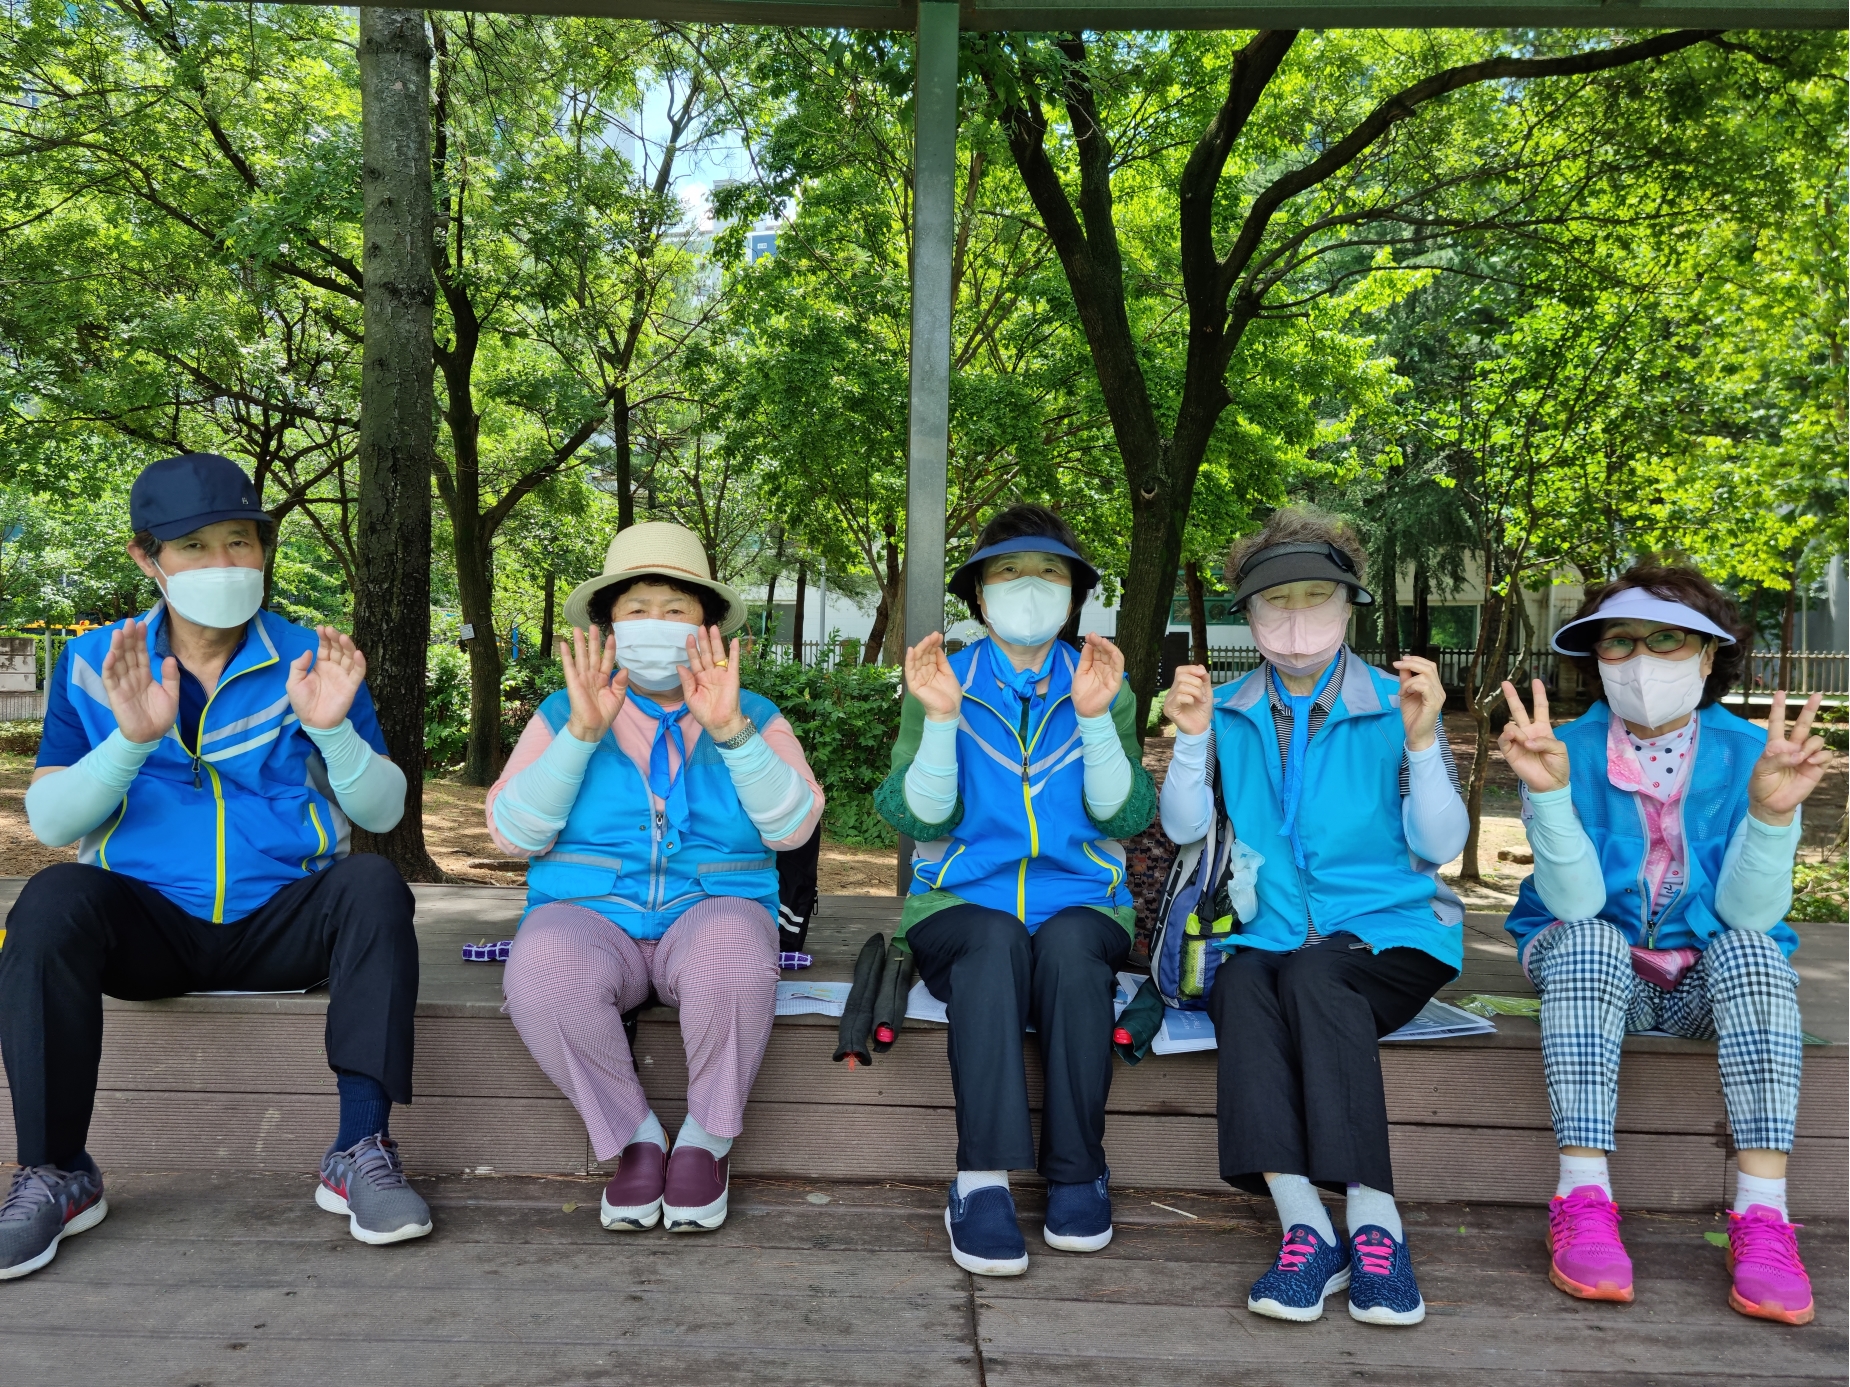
{"type": "Point", "coordinates": [1300, 525]}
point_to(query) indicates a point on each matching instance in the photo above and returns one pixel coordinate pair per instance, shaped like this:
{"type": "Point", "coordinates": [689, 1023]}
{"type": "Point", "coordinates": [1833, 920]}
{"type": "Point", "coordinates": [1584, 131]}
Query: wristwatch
{"type": "Point", "coordinates": [739, 739]}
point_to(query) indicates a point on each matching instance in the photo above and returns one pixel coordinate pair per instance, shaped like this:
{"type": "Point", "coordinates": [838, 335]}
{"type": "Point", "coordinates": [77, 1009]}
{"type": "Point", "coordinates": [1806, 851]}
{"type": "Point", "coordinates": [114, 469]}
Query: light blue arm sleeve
{"type": "Point", "coordinates": [1433, 815]}
{"type": "Point", "coordinates": [931, 779]}
{"type": "Point", "coordinates": [1755, 888]}
{"type": "Point", "coordinates": [1108, 769]}
{"type": "Point", "coordinates": [61, 808]}
{"type": "Point", "coordinates": [533, 806]}
{"type": "Point", "coordinates": [369, 788]}
{"type": "Point", "coordinates": [772, 793]}
{"type": "Point", "coordinates": [1567, 873]}
{"type": "Point", "coordinates": [1186, 803]}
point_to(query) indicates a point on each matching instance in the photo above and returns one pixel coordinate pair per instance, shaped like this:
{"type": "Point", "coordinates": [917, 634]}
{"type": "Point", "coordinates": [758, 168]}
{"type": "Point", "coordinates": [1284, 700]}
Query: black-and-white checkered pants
{"type": "Point", "coordinates": [1742, 994]}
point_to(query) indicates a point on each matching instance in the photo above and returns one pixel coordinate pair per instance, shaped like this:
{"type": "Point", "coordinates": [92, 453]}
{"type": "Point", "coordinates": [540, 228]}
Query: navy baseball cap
{"type": "Point", "coordinates": [176, 496]}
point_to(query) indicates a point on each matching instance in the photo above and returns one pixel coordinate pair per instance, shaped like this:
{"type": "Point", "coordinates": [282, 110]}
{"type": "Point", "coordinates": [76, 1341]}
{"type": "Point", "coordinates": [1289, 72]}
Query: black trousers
{"type": "Point", "coordinates": [1300, 1064]}
{"type": "Point", "coordinates": [995, 979]}
{"type": "Point", "coordinates": [78, 932]}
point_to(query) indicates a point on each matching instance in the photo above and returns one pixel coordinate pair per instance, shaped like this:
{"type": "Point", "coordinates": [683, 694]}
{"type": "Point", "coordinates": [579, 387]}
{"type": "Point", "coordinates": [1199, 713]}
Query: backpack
{"type": "Point", "coordinates": [1209, 892]}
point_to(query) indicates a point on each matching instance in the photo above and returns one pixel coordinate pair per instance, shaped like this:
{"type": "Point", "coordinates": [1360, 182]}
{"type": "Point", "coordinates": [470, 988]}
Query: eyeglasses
{"type": "Point", "coordinates": [1668, 641]}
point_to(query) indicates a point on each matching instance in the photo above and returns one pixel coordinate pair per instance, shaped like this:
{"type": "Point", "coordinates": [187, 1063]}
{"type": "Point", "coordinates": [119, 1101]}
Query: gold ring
{"type": "Point", "coordinates": [721, 664]}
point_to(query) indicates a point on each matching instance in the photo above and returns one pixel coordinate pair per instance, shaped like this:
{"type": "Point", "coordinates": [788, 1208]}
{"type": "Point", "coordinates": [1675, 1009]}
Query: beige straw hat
{"type": "Point", "coordinates": [661, 549]}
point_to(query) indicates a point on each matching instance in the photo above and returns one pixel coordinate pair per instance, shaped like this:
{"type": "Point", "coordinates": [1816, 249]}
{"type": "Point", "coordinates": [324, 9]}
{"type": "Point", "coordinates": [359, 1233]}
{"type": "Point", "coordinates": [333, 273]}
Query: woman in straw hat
{"type": "Point", "coordinates": [652, 798]}
{"type": "Point", "coordinates": [1664, 830]}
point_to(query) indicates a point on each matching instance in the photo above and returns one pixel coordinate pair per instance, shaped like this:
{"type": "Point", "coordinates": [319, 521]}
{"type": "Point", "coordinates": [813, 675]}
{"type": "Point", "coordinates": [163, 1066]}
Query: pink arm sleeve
{"type": "Point", "coordinates": [785, 746]}
{"type": "Point", "coordinates": [533, 740]}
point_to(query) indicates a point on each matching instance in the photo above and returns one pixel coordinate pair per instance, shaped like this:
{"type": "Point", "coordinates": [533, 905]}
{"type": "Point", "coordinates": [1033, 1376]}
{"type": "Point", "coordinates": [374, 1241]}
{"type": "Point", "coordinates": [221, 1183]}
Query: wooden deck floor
{"type": "Point", "coordinates": [229, 1280]}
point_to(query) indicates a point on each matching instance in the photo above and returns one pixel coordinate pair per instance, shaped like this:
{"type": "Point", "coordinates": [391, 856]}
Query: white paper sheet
{"type": "Point", "coordinates": [812, 998]}
{"type": "Point", "coordinates": [1183, 1032]}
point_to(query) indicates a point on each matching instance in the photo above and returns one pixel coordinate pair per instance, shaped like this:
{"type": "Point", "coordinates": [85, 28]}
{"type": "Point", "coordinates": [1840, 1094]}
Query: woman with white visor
{"type": "Point", "coordinates": [1664, 830]}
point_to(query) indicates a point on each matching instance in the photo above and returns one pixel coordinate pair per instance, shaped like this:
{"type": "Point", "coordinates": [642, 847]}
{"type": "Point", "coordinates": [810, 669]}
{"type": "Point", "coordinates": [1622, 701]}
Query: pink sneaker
{"type": "Point", "coordinates": [1769, 1279]}
{"type": "Point", "coordinates": [1588, 1260]}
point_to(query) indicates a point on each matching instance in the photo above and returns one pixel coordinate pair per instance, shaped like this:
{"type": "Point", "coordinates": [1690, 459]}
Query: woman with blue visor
{"type": "Point", "coordinates": [1016, 769]}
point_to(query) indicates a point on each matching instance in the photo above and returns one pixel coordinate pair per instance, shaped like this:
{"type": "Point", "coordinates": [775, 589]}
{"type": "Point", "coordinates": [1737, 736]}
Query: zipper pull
{"type": "Point", "coordinates": [196, 784]}
{"type": "Point", "coordinates": [1024, 770]}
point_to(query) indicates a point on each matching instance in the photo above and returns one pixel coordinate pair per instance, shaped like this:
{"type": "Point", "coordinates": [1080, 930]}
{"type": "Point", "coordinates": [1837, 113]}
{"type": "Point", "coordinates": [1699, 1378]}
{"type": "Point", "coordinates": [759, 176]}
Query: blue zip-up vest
{"type": "Point", "coordinates": [1359, 874]}
{"type": "Point", "coordinates": [617, 856]}
{"type": "Point", "coordinates": [1025, 843]}
{"type": "Point", "coordinates": [1712, 806]}
{"type": "Point", "coordinates": [220, 827]}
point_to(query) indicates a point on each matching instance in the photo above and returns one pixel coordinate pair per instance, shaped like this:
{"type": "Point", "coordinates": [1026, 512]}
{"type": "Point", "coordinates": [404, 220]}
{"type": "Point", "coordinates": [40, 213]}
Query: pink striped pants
{"type": "Point", "coordinates": [572, 974]}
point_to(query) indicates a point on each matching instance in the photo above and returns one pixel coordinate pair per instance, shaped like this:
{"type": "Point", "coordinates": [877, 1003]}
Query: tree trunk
{"type": "Point", "coordinates": [546, 617]}
{"type": "Point", "coordinates": [1785, 629]}
{"type": "Point", "coordinates": [1387, 596]}
{"type": "Point", "coordinates": [1197, 612]}
{"type": "Point", "coordinates": [1149, 590]}
{"type": "Point", "coordinates": [392, 598]}
{"type": "Point", "coordinates": [892, 599]}
{"type": "Point", "coordinates": [796, 623]}
{"type": "Point", "coordinates": [620, 429]}
{"type": "Point", "coordinates": [475, 585]}
{"type": "Point", "coordinates": [1422, 610]}
{"type": "Point", "coordinates": [1479, 704]}
{"type": "Point", "coordinates": [1747, 668]}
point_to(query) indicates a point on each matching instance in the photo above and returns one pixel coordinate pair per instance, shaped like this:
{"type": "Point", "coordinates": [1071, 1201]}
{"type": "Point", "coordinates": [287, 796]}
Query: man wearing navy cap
{"type": "Point", "coordinates": [209, 759]}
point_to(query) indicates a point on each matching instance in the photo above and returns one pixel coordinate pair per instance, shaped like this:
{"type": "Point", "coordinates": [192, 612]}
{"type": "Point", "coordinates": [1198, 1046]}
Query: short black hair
{"type": "Point", "coordinates": [1676, 584]}
{"type": "Point", "coordinates": [712, 605]}
{"type": "Point", "coordinates": [1023, 520]}
{"type": "Point", "coordinates": [145, 540]}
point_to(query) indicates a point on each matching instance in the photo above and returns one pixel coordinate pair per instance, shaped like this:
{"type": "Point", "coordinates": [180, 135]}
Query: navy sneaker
{"type": "Point", "coordinates": [1382, 1290]}
{"type": "Point", "coordinates": [45, 1206]}
{"type": "Point", "coordinates": [985, 1236]}
{"type": "Point", "coordinates": [1078, 1216]}
{"type": "Point", "coordinates": [1307, 1270]}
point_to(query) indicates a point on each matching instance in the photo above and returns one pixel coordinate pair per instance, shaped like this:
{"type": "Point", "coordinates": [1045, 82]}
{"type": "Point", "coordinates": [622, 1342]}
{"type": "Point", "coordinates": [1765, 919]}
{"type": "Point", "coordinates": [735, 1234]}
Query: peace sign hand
{"type": "Point", "coordinates": [929, 677]}
{"type": "Point", "coordinates": [1790, 767]}
{"type": "Point", "coordinates": [1538, 757]}
{"type": "Point", "coordinates": [1097, 676]}
{"type": "Point", "coordinates": [144, 707]}
{"type": "Point", "coordinates": [710, 683]}
{"type": "Point", "coordinates": [597, 695]}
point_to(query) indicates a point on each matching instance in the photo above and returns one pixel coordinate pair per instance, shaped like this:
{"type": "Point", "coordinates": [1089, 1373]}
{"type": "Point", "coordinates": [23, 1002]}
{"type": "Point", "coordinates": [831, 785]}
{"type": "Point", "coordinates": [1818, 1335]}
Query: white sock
{"type": "Point", "coordinates": [1577, 1171]}
{"type": "Point", "coordinates": [1370, 1206]}
{"type": "Point", "coordinates": [1298, 1202]}
{"type": "Point", "coordinates": [693, 1134]}
{"type": "Point", "coordinates": [970, 1181]}
{"type": "Point", "coordinates": [1752, 1189]}
{"type": "Point", "coordinates": [650, 1130]}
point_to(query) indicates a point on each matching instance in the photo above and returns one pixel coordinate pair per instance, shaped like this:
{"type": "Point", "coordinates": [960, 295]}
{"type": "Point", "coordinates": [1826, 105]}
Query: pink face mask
{"type": "Point", "coordinates": [1301, 641]}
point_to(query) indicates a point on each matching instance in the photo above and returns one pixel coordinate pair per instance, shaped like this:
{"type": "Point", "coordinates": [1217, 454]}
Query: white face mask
{"type": "Point", "coordinates": [652, 650]}
{"type": "Point", "coordinates": [224, 598]}
{"type": "Point", "coordinates": [1026, 611]}
{"type": "Point", "coordinates": [1652, 692]}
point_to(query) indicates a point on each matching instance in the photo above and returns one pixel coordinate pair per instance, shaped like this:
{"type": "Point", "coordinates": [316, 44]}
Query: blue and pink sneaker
{"type": "Point", "coordinates": [1307, 1270]}
{"type": "Point", "coordinates": [1381, 1285]}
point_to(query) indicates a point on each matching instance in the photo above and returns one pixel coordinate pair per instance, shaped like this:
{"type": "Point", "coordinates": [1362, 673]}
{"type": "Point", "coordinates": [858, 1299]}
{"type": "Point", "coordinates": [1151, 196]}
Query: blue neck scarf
{"type": "Point", "coordinates": [671, 789]}
{"type": "Point", "coordinates": [1020, 682]}
{"type": "Point", "coordinates": [1294, 755]}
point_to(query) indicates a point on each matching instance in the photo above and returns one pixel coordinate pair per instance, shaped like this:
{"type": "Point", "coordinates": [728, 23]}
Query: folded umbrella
{"type": "Point", "coordinates": [1138, 1023]}
{"type": "Point", "coordinates": [857, 1017]}
{"type": "Point", "coordinates": [895, 988]}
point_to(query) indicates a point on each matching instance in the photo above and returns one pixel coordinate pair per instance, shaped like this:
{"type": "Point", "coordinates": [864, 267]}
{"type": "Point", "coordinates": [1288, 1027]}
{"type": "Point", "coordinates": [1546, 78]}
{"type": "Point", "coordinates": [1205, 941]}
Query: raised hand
{"type": "Point", "coordinates": [1421, 698]}
{"type": "Point", "coordinates": [1097, 676]}
{"type": "Point", "coordinates": [1191, 699]}
{"type": "Point", "coordinates": [1790, 767]}
{"type": "Point", "coordinates": [596, 693]}
{"type": "Point", "coordinates": [1538, 757]}
{"type": "Point", "coordinates": [321, 686]}
{"type": "Point", "coordinates": [144, 708]}
{"type": "Point", "coordinates": [710, 683]}
{"type": "Point", "coordinates": [929, 677]}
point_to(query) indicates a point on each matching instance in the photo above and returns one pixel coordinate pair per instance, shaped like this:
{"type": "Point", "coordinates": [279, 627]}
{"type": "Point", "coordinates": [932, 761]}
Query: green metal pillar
{"type": "Point", "coordinates": [934, 165]}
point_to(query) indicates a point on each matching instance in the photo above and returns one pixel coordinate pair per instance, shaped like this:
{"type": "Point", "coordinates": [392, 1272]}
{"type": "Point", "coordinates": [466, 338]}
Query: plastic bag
{"type": "Point", "coordinates": [1243, 866]}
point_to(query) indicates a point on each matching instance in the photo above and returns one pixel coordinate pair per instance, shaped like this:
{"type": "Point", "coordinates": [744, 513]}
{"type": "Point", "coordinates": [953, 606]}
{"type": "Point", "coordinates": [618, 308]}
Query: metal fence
{"type": "Point", "coordinates": [1815, 671]}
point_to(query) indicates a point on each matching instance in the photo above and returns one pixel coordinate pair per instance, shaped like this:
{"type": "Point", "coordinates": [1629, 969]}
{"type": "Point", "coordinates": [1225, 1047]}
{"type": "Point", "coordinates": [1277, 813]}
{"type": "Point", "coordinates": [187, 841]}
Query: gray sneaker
{"type": "Point", "coordinates": [367, 1183]}
{"type": "Point", "coordinates": [46, 1205]}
